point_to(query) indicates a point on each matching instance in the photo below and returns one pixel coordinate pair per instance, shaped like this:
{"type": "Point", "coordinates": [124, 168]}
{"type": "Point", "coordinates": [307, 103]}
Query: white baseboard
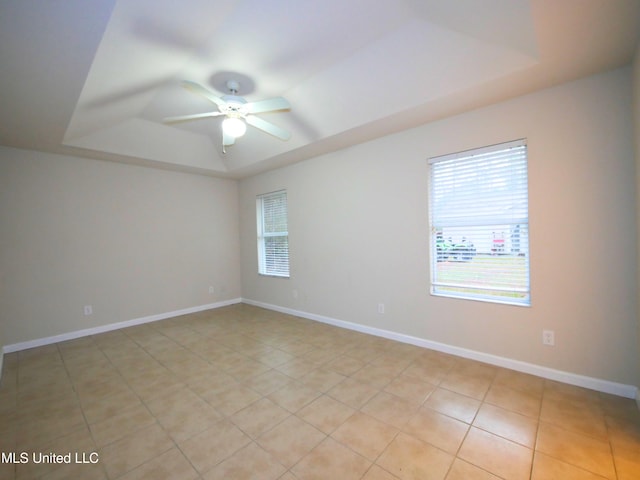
{"type": "Point", "coordinates": [605, 386]}
{"type": "Point", "coordinates": [16, 347]}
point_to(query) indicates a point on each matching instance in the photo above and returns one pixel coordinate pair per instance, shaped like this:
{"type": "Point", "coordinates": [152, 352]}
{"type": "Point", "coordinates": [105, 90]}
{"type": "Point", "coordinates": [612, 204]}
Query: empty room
{"type": "Point", "coordinates": [353, 240]}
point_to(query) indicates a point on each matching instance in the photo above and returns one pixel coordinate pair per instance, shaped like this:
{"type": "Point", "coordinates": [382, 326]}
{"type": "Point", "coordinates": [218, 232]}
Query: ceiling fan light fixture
{"type": "Point", "coordinates": [234, 127]}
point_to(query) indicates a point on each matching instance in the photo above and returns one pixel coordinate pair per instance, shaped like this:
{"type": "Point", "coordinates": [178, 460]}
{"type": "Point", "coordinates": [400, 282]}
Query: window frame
{"type": "Point", "coordinates": [482, 292]}
{"type": "Point", "coordinates": [262, 235]}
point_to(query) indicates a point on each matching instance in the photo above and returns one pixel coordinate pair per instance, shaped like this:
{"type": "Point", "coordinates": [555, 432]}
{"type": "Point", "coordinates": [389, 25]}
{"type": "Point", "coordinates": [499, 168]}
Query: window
{"type": "Point", "coordinates": [273, 236]}
{"type": "Point", "coordinates": [480, 224]}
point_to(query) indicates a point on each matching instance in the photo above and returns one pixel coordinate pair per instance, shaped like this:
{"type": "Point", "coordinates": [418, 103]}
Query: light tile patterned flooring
{"type": "Point", "coordinates": [245, 393]}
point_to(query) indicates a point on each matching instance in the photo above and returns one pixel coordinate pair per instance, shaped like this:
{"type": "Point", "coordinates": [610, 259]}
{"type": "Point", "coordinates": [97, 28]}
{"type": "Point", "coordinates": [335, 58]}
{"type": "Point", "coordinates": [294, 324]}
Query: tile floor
{"type": "Point", "coordinates": [245, 393]}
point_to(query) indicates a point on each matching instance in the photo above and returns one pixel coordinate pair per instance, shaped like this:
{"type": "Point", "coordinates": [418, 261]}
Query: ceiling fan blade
{"type": "Point", "coordinates": [268, 127]}
{"type": "Point", "coordinates": [269, 105]}
{"type": "Point", "coordinates": [200, 90]}
{"type": "Point", "coordinates": [182, 118]}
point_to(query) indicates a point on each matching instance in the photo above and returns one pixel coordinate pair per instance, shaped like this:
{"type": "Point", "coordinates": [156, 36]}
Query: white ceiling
{"type": "Point", "coordinates": [96, 78]}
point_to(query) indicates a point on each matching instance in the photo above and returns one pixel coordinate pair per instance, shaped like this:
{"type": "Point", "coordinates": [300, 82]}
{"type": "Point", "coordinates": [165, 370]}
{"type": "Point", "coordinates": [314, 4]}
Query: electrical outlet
{"type": "Point", "coordinates": [381, 308]}
{"type": "Point", "coordinates": [88, 310]}
{"type": "Point", "coordinates": [548, 337]}
{"type": "Point", "coordinates": [211, 290]}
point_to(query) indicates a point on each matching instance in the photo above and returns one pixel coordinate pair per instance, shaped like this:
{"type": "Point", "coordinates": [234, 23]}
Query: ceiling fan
{"type": "Point", "coordinates": [237, 111]}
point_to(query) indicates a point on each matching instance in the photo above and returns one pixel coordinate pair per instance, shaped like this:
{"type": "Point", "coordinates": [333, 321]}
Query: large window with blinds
{"type": "Point", "coordinates": [480, 224]}
{"type": "Point", "coordinates": [273, 235]}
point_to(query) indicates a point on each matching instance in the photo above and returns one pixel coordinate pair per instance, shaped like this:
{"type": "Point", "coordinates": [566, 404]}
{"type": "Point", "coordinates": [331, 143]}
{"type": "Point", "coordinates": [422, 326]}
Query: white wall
{"type": "Point", "coordinates": [359, 230]}
{"type": "Point", "coordinates": [130, 241]}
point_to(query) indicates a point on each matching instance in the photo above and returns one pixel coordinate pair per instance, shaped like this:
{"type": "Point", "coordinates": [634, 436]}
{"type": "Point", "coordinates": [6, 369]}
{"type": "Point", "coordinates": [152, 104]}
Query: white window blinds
{"type": "Point", "coordinates": [273, 236]}
{"type": "Point", "coordinates": [480, 224]}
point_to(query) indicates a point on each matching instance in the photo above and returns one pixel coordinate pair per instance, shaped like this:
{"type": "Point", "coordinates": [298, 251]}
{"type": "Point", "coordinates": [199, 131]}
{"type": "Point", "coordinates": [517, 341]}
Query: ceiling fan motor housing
{"type": "Point", "coordinates": [233, 104]}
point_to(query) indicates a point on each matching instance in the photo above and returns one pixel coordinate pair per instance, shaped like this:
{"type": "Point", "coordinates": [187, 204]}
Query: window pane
{"type": "Point", "coordinates": [479, 218]}
{"type": "Point", "coordinates": [273, 239]}
{"type": "Point", "coordinates": [275, 213]}
{"type": "Point", "coordinates": [277, 255]}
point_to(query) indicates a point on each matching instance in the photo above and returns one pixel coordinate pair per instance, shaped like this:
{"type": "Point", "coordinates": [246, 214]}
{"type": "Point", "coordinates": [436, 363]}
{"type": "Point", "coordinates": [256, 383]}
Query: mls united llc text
{"type": "Point", "coordinates": [51, 457]}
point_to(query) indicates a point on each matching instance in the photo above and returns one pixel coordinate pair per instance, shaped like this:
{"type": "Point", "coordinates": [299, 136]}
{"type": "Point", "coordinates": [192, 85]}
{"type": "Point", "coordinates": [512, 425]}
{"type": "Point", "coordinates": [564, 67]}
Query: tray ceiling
{"type": "Point", "coordinates": [95, 79]}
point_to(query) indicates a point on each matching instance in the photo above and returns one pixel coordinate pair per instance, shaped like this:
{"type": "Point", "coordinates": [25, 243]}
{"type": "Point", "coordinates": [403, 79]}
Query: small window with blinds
{"type": "Point", "coordinates": [480, 224]}
{"type": "Point", "coordinates": [273, 235]}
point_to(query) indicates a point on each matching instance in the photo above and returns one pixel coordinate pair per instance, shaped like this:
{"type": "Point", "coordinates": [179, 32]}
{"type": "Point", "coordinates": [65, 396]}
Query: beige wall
{"type": "Point", "coordinates": [636, 118]}
{"type": "Point", "coordinates": [358, 226]}
{"type": "Point", "coordinates": [130, 241]}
